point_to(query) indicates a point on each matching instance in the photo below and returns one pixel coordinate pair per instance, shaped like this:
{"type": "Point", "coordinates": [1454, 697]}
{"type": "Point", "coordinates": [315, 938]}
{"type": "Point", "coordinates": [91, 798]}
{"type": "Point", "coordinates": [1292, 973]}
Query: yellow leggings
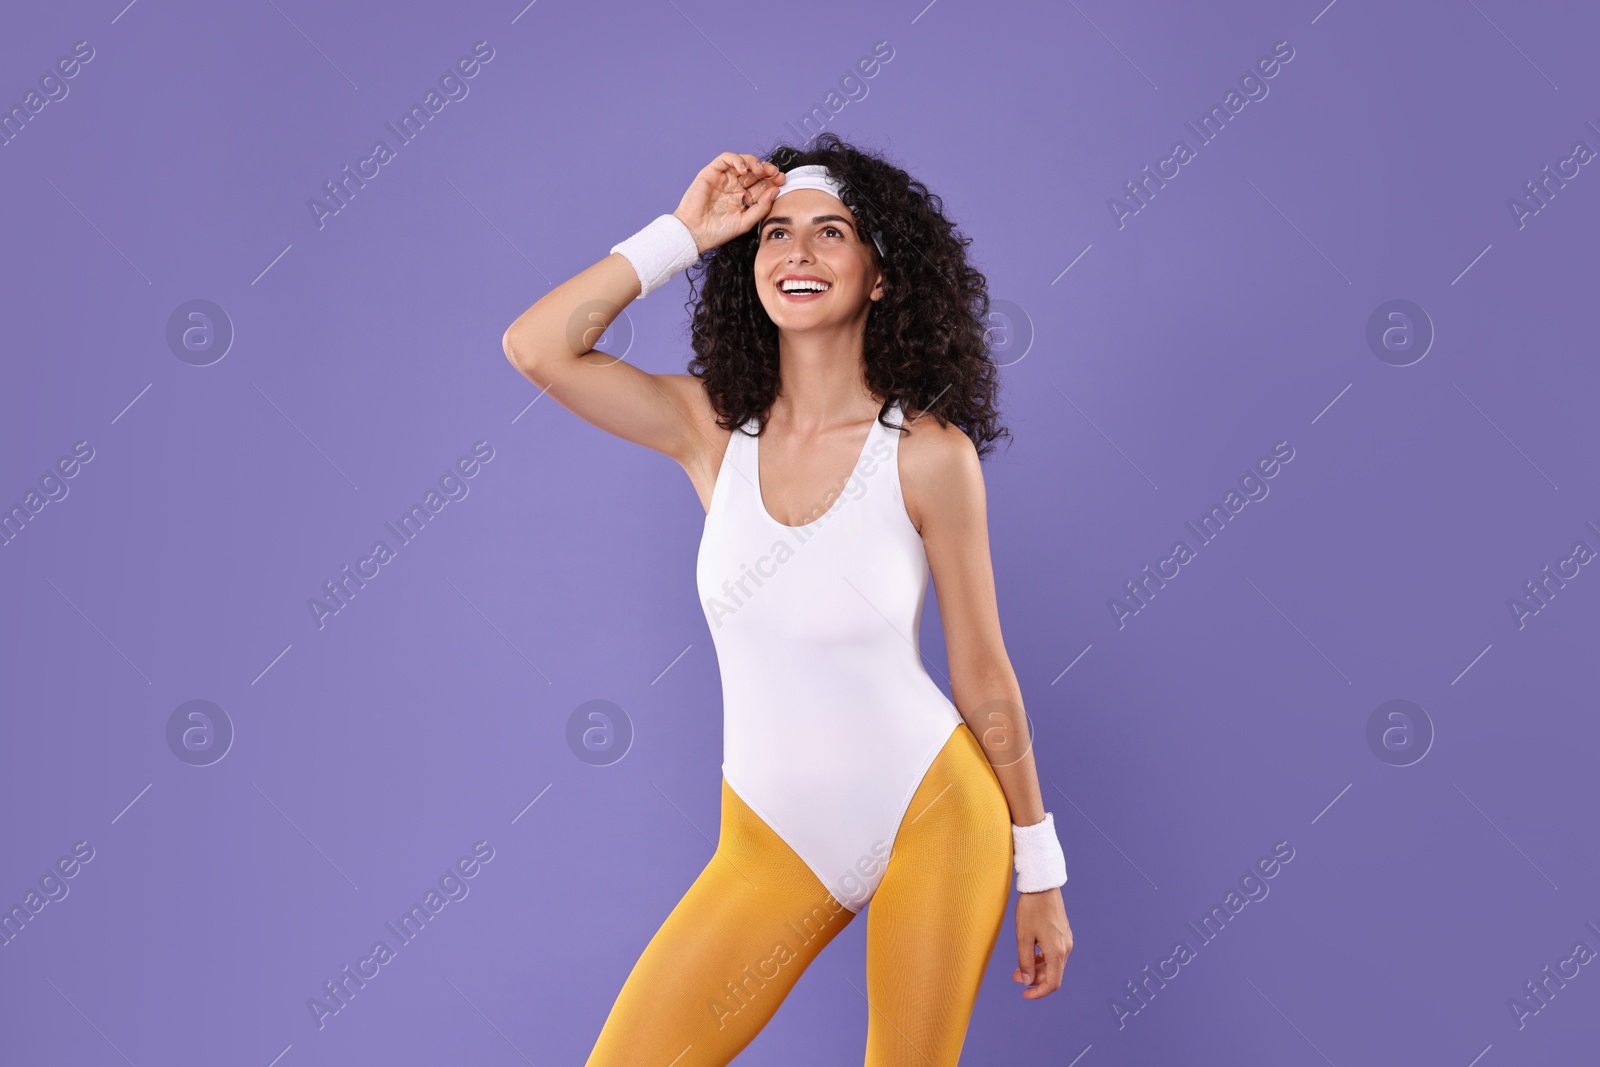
{"type": "Point", "coordinates": [757, 916]}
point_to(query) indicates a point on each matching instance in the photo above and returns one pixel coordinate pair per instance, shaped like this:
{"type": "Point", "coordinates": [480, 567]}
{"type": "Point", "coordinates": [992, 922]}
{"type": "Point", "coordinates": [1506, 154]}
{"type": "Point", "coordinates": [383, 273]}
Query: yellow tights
{"type": "Point", "coordinates": [755, 918]}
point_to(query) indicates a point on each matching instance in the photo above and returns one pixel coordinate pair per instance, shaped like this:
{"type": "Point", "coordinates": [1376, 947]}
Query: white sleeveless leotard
{"type": "Point", "coordinates": [830, 720]}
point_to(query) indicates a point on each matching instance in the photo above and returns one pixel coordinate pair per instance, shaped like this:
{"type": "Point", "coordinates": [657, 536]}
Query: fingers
{"type": "Point", "coordinates": [760, 167]}
{"type": "Point", "coordinates": [1055, 960]}
{"type": "Point", "coordinates": [744, 167]}
{"type": "Point", "coordinates": [1040, 968]}
{"type": "Point", "coordinates": [759, 198]}
{"type": "Point", "coordinates": [726, 173]}
{"type": "Point", "coordinates": [1025, 959]}
{"type": "Point", "coordinates": [1044, 940]}
{"type": "Point", "coordinates": [731, 161]}
{"type": "Point", "coordinates": [751, 182]}
{"type": "Point", "coordinates": [749, 168]}
{"type": "Point", "coordinates": [761, 188]}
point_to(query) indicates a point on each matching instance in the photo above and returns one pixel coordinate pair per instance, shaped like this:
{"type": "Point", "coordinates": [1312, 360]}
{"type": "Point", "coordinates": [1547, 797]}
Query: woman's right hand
{"type": "Point", "coordinates": [731, 194]}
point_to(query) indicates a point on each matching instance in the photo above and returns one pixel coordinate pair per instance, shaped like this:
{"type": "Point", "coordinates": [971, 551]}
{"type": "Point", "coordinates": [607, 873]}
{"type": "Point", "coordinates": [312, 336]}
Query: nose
{"type": "Point", "coordinates": [799, 249]}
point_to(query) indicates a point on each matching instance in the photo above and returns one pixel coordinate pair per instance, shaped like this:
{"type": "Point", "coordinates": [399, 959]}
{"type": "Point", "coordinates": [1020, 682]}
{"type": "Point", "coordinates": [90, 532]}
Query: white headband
{"type": "Point", "coordinates": [817, 176]}
{"type": "Point", "coordinates": [810, 176]}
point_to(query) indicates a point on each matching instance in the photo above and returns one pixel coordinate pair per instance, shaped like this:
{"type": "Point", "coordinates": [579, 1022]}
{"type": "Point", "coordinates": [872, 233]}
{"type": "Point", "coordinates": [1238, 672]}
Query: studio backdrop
{"type": "Point", "coordinates": [325, 630]}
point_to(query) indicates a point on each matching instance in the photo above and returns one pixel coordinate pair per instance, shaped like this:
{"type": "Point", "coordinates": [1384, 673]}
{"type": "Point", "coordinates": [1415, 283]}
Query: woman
{"type": "Point", "coordinates": [837, 312]}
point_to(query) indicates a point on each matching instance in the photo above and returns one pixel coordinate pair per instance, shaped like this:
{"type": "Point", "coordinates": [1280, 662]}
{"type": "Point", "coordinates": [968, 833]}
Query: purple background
{"type": "Point", "coordinates": [1231, 713]}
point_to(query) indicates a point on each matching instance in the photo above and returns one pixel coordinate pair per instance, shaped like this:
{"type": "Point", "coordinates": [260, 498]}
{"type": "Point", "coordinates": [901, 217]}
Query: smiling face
{"type": "Point", "coordinates": [812, 268]}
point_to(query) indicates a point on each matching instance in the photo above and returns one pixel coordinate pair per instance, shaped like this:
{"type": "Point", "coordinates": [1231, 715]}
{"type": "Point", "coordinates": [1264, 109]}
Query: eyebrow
{"type": "Point", "coordinates": [784, 220]}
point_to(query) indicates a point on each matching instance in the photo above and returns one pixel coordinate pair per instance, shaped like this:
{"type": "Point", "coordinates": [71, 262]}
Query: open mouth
{"type": "Point", "coordinates": [802, 290]}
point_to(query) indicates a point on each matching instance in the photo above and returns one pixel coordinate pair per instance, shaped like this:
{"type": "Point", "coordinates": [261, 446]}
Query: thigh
{"type": "Point", "coordinates": [933, 923]}
{"type": "Point", "coordinates": [727, 955]}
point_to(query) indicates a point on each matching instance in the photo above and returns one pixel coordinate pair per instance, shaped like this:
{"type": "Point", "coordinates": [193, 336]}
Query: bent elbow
{"type": "Point", "coordinates": [514, 354]}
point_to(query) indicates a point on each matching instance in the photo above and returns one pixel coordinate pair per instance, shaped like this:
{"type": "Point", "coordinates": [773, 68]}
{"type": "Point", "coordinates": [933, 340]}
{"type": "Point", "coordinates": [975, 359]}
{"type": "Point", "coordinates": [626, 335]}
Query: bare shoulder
{"type": "Point", "coordinates": [939, 469]}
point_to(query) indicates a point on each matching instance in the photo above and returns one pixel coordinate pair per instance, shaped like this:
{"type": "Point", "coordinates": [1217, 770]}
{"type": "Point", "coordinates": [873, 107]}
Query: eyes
{"type": "Point", "coordinates": [830, 228]}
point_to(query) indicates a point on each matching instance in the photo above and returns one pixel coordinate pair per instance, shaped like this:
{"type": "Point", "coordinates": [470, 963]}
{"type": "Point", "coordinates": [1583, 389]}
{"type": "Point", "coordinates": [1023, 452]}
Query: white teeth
{"type": "Point", "coordinates": [805, 287]}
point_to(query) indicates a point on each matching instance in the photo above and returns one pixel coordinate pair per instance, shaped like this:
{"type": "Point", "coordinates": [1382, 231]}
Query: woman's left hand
{"type": "Point", "coordinates": [1044, 940]}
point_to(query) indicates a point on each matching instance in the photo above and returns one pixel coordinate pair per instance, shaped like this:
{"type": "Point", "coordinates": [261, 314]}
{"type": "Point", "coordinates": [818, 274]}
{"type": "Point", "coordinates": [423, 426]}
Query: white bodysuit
{"type": "Point", "coordinates": [830, 720]}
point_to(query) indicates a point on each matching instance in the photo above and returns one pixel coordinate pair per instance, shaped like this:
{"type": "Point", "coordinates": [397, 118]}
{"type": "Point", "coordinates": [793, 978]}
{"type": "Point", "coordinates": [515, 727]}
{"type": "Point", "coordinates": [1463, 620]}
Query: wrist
{"type": "Point", "coordinates": [698, 244]}
{"type": "Point", "coordinates": [1039, 862]}
{"type": "Point", "coordinates": [660, 250]}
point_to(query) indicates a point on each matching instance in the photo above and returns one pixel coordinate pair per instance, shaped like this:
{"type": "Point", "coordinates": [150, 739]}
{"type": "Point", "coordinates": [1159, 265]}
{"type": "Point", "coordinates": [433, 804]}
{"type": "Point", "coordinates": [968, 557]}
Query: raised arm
{"type": "Point", "coordinates": [552, 343]}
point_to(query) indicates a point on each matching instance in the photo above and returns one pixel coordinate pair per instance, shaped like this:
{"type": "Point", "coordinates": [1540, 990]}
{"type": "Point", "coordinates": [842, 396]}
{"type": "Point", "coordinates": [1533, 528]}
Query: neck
{"type": "Point", "coordinates": [822, 380]}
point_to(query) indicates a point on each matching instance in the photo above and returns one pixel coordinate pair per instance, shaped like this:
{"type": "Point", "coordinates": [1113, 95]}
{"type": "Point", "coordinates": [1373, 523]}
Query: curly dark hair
{"type": "Point", "coordinates": [924, 342]}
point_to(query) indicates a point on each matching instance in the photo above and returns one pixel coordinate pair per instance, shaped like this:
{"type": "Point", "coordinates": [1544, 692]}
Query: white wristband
{"type": "Point", "coordinates": [659, 251]}
{"type": "Point", "coordinates": [1039, 861]}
